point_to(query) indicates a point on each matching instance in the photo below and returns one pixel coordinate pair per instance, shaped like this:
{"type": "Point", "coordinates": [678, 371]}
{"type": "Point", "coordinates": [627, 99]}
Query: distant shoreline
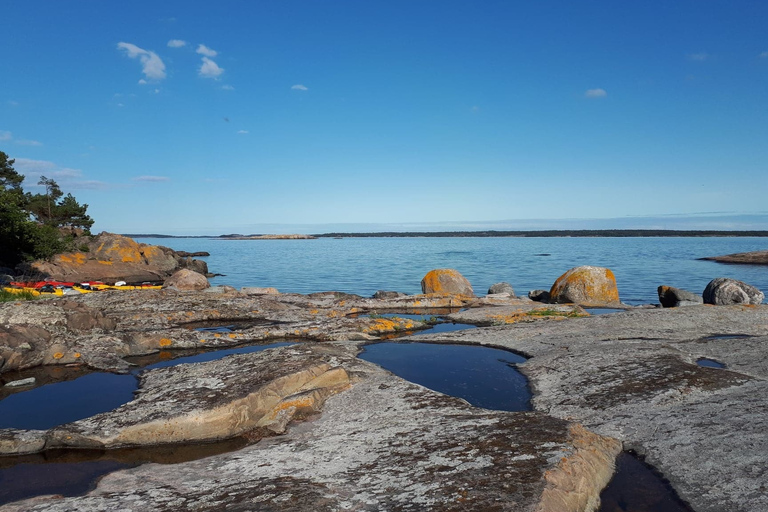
{"type": "Point", "coordinates": [550, 233]}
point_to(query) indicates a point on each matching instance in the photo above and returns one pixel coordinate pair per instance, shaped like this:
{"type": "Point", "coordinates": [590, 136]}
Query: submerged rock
{"type": "Point", "coordinates": [670, 297]}
{"type": "Point", "coordinates": [386, 294]}
{"type": "Point", "coordinates": [446, 280]}
{"type": "Point", "coordinates": [586, 285]}
{"type": "Point", "coordinates": [723, 291]}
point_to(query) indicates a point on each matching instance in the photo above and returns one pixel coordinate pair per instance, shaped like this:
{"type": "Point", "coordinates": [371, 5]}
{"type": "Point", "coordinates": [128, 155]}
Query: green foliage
{"type": "Point", "coordinates": [6, 296]}
{"type": "Point", "coordinates": [34, 226]}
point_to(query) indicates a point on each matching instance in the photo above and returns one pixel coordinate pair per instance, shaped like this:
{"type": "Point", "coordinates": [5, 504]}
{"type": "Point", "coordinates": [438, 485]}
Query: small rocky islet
{"type": "Point", "coordinates": [327, 430]}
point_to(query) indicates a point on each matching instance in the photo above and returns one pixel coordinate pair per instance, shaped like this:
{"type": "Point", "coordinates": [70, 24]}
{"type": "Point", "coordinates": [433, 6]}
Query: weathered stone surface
{"type": "Point", "coordinates": [18, 442]}
{"type": "Point", "coordinates": [539, 295]}
{"type": "Point", "coordinates": [501, 288]}
{"type": "Point", "coordinates": [723, 291]}
{"type": "Point", "coordinates": [671, 297]}
{"type": "Point", "coordinates": [112, 257]}
{"type": "Point", "coordinates": [214, 400]}
{"type": "Point", "coordinates": [633, 376]}
{"type": "Point", "coordinates": [185, 279]}
{"type": "Point", "coordinates": [749, 258]}
{"type": "Point", "coordinates": [386, 294]}
{"type": "Point", "coordinates": [253, 290]}
{"type": "Point", "coordinates": [446, 280]}
{"type": "Point", "coordinates": [29, 381]}
{"type": "Point", "coordinates": [587, 285]}
{"type": "Point", "coordinates": [384, 444]}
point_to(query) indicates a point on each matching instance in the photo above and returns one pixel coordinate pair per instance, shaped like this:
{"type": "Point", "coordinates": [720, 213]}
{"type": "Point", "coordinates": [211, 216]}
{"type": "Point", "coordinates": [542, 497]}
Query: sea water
{"type": "Point", "coordinates": [364, 265]}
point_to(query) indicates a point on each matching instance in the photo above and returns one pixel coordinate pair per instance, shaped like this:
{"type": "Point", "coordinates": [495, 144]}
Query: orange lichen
{"type": "Point", "coordinates": [586, 284]}
{"type": "Point", "coordinates": [78, 355]}
{"type": "Point", "coordinates": [58, 355]}
{"type": "Point", "coordinates": [233, 335]}
{"type": "Point", "coordinates": [165, 342]}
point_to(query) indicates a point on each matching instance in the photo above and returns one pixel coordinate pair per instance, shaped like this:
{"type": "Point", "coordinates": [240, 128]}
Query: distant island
{"type": "Point", "coordinates": [623, 233]}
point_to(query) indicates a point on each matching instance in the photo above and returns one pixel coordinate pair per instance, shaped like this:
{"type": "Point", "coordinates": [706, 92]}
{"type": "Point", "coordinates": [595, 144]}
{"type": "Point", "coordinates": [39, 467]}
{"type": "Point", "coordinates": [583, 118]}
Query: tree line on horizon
{"type": "Point", "coordinates": [36, 226]}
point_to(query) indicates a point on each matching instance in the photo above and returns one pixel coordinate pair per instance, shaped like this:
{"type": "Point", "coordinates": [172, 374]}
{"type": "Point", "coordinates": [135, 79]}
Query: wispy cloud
{"type": "Point", "coordinates": [8, 137]}
{"type": "Point", "coordinates": [151, 64]}
{"type": "Point", "coordinates": [16, 103]}
{"type": "Point", "coordinates": [227, 88]}
{"type": "Point", "coordinates": [152, 179]}
{"type": "Point", "coordinates": [595, 93]}
{"type": "Point", "coordinates": [176, 43]}
{"type": "Point", "coordinates": [242, 132]}
{"type": "Point", "coordinates": [204, 50]}
{"type": "Point", "coordinates": [763, 55]}
{"type": "Point", "coordinates": [68, 178]}
{"type": "Point", "coordinates": [299, 87]}
{"type": "Point", "coordinates": [28, 142]}
{"type": "Point", "coordinates": [699, 57]}
{"type": "Point", "coordinates": [209, 69]}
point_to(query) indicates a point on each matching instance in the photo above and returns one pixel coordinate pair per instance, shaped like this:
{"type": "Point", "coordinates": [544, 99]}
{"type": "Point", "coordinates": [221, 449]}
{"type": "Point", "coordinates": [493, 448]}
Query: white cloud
{"type": "Point", "coordinates": [595, 93]}
{"type": "Point", "coordinates": [8, 136]}
{"type": "Point", "coordinates": [227, 87]}
{"type": "Point", "coordinates": [210, 69]}
{"type": "Point", "coordinates": [67, 178]}
{"type": "Point", "coordinates": [176, 43]}
{"type": "Point", "coordinates": [242, 132]}
{"type": "Point", "coordinates": [204, 50]}
{"type": "Point", "coordinates": [121, 104]}
{"type": "Point", "coordinates": [699, 57]}
{"type": "Point", "coordinates": [142, 82]}
{"type": "Point", "coordinates": [299, 87]}
{"type": "Point", "coordinates": [763, 55]}
{"type": "Point", "coordinates": [152, 179]}
{"type": "Point", "coordinates": [151, 64]}
{"type": "Point", "coordinates": [27, 142]}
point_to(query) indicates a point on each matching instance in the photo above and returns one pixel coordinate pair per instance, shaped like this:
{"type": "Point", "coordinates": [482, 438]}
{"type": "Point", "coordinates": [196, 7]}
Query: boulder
{"type": "Point", "coordinates": [185, 279]}
{"type": "Point", "coordinates": [501, 288]}
{"type": "Point", "coordinates": [110, 257]}
{"type": "Point", "coordinates": [539, 295]}
{"type": "Point", "coordinates": [588, 285]}
{"type": "Point", "coordinates": [723, 291]}
{"type": "Point", "coordinates": [670, 297]}
{"type": "Point", "coordinates": [446, 280]}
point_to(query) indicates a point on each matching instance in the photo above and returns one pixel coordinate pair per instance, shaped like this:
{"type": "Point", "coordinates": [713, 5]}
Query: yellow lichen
{"type": "Point", "coordinates": [165, 342]}
{"type": "Point", "coordinates": [58, 355]}
{"type": "Point", "coordinates": [78, 355]}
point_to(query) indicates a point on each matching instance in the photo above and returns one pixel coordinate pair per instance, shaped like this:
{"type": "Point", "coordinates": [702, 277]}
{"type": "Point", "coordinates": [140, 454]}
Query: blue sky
{"type": "Point", "coordinates": [252, 116]}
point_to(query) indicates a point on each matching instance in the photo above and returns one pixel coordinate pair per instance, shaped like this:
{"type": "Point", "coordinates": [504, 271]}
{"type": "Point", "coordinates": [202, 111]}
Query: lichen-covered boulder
{"type": "Point", "coordinates": [723, 291]}
{"type": "Point", "coordinates": [185, 279]}
{"type": "Point", "coordinates": [501, 288]}
{"type": "Point", "coordinates": [446, 280]}
{"type": "Point", "coordinates": [588, 285]}
{"type": "Point", "coordinates": [671, 297]}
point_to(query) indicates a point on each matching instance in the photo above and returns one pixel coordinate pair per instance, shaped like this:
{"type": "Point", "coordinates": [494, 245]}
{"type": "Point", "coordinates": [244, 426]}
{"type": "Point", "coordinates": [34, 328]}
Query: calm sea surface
{"type": "Point", "coordinates": [364, 265]}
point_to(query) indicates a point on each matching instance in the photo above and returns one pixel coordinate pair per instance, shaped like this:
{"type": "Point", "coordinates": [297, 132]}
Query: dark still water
{"type": "Point", "coordinates": [364, 265]}
{"type": "Point", "coordinates": [484, 377]}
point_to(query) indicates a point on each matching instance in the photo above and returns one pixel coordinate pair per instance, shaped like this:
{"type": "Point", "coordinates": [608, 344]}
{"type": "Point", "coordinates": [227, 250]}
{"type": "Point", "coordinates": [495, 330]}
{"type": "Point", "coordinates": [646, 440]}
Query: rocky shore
{"type": "Point", "coordinates": [747, 258]}
{"type": "Point", "coordinates": [329, 431]}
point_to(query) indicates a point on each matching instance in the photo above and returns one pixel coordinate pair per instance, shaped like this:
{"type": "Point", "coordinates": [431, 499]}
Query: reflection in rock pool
{"type": "Point", "coordinates": [709, 363]}
{"type": "Point", "coordinates": [484, 377]}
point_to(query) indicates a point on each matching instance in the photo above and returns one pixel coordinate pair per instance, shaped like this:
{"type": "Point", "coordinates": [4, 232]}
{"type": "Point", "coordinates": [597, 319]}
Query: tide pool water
{"type": "Point", "coordinates": [364, 265]}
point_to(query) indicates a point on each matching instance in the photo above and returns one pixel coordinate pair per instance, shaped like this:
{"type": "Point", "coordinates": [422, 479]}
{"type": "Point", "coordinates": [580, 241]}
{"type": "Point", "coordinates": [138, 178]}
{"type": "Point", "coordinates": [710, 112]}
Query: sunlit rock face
{"type": "Point", "coordinates": [446, 280]}
{"type": "Point", "coordinates": [587, 285]}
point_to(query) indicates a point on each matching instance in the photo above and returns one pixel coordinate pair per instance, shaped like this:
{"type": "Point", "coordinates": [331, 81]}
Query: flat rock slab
{"type": "Point", "coordinates": [384, 444]}
{"type": "Point", "coordinates": [633, 376]}
{"type": "Point", "coordinates": [749, 258]}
